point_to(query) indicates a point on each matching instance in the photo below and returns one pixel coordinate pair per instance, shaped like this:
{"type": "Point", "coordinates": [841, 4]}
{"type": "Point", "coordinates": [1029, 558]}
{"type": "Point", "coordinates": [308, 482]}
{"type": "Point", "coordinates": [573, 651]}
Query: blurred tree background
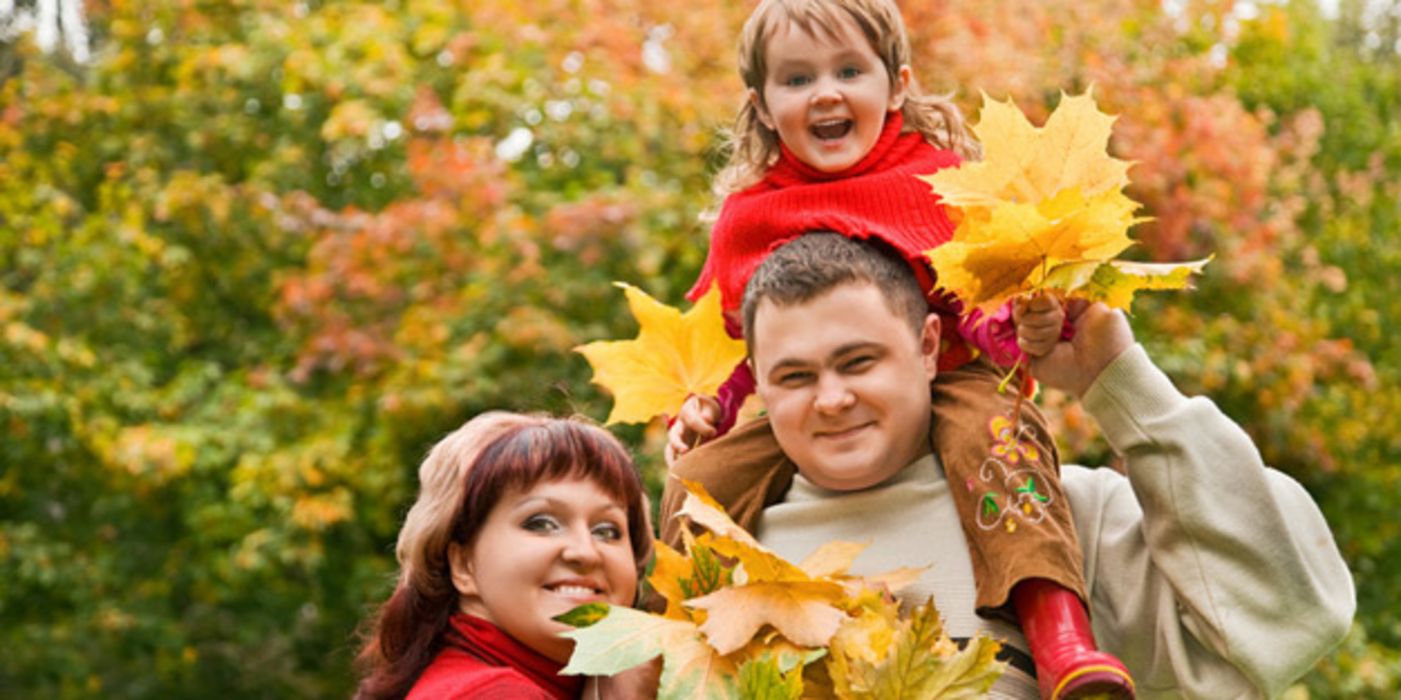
{"type": "Point", "coordinates": [256, 256]}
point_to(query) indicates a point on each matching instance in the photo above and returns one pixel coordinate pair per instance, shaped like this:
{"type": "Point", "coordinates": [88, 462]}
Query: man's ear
{"type": "Point", "coordinates": [900, 87]}
{"type": "Point", "coordinates": [758, 101]}
{"type": "Point", "coordinates": [930, 342]}
{"type": "Point", "coordinates": [460, 560]}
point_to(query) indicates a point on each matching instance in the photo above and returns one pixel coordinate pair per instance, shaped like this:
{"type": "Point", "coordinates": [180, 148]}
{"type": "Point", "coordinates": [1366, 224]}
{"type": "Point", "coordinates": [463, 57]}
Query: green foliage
{"type": "Point", "coordinates": [256, 257]}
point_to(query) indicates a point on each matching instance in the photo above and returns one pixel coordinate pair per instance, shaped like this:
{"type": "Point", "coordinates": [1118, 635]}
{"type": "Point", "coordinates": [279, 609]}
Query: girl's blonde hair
{"type": "Point", "coordinates": [754, 147]}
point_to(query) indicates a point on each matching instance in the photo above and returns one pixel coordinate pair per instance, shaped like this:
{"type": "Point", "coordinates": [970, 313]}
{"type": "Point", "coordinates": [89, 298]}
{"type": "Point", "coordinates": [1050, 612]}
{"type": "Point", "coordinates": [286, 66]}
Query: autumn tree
{"type": "Point", "coordinates": [255, 257]}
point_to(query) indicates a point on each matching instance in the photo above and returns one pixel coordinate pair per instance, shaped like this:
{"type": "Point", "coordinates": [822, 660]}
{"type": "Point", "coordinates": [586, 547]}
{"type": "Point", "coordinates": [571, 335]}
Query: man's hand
{"type": "Point", "coordinates": [694, 424]}
{"type": "Point", "coordinates": [1101, 335]}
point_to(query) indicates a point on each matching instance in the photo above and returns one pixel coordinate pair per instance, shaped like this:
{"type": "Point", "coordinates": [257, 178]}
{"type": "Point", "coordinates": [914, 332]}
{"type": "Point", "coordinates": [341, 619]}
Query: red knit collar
{"type": "Point", "coordinates": [790, 170]}
{"type": "Point", "coordinates": [493, 646]}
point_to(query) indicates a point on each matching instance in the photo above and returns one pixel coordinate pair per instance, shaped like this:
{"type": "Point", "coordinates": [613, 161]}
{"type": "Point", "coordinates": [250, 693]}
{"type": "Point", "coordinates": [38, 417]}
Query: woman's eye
{"type": "Point", "coordinates": [608, 531]}
{"type": "Point", "coordinates": [540, 523]}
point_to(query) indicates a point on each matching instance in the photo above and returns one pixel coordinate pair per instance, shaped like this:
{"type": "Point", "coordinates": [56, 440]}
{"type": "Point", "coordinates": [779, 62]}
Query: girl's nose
{"type": "Point", "coordinates": [825, 91]}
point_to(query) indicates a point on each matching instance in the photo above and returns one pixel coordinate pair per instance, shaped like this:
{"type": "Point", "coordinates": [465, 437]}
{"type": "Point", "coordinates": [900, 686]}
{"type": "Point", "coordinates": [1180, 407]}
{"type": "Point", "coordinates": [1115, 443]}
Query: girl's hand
{"type": "Point", "coordinates": [1101, 335]}
{"type": "Point", "coordinates": [696, 423]}
{"type": "Point", "coordinates": [1039, 322]}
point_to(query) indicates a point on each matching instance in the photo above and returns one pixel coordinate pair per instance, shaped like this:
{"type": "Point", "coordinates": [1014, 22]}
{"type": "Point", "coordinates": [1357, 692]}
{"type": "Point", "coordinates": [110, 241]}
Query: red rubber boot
{"type": "Point", "coordinates": [1068, 665]}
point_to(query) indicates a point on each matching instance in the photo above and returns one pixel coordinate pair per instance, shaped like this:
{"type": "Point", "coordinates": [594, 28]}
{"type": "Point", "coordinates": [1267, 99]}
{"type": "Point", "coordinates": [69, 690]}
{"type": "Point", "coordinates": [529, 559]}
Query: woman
{"type": "Point", "coordinates": [518, 519]}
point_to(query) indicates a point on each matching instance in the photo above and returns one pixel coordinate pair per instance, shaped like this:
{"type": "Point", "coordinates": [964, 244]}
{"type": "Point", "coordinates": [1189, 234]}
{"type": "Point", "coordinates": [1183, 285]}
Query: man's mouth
{"type": "Point", "coordinates": [839, 433]}
{"type": "Point", "coordinates": [831, 129]}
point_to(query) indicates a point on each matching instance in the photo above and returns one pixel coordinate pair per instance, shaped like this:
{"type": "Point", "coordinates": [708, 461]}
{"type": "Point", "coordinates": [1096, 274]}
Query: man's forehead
{"type": "Point", "coordinates": [863, 301]}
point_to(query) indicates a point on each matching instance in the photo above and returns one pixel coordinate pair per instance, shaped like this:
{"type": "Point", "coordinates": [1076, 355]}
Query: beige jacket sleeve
{"type": "Point", "coordinates": [1210, 575]}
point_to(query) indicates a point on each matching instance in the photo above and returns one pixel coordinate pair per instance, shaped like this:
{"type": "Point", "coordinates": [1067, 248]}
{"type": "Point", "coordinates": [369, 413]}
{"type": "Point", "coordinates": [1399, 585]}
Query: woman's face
{"type": "Point", "coordinates": [544, 551]}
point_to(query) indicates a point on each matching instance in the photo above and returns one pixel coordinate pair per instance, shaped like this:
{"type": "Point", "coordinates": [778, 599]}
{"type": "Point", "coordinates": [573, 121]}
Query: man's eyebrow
{"type": "Point", "coordinates": [844, 349]}
{"type": "Point", "coordinates": [854, 346]}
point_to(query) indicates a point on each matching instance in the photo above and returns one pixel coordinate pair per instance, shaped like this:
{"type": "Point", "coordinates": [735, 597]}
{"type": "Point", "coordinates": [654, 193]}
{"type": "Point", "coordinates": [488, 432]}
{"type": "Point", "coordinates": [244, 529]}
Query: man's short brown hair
{"type": "Point", "coordinates": [816, 263]}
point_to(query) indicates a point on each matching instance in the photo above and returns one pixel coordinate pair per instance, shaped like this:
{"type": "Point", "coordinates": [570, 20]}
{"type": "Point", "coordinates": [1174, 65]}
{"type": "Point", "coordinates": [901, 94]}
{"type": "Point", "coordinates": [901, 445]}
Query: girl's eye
{"type": "Point", "coordinates": [608, 531]}
{"type": "Point", "coordinates": [540, 523]}
{"type": "Point", "coordinates": [796, 80]}
{"type": "Point", "coordinates": [849, 72]}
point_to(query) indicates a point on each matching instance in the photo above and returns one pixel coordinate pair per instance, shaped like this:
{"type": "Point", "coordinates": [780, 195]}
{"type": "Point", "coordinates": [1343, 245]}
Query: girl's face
{"type": "Point", "coordinates": [541, 552]}
{"type": "Point", "coordinates": [826, 97]}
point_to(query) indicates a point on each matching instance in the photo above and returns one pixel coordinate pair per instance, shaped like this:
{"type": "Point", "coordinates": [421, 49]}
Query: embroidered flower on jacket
{"type": "Point", "coordinates": [1007, 442]}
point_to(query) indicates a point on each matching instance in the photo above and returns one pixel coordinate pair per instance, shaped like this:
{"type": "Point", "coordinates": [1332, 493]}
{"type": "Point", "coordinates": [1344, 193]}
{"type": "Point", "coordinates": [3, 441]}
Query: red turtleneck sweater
{"type": "Point", "coordinates": [481, 662]}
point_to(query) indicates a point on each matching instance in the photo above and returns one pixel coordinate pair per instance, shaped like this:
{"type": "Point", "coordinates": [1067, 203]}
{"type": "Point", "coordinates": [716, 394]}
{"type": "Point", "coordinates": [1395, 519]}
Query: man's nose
{"type": "Point", "coordinates": [833, 395]}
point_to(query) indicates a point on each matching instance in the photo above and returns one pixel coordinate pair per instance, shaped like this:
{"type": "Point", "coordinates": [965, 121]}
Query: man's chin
{"type": "Point", "coordinates": [843, 478]}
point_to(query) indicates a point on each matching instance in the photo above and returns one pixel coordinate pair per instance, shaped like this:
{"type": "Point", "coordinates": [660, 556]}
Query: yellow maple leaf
{"type": "Point", "coordinates": [1024, 163]}
{"type": "Point", "coordinates": [1008, 249]}
{"type": "Point", "coordinates": [669, 569]}
{"type": "Point", "coordinates": [674, 355]}
{"type": "Point", "coordinates": [1045, 210]}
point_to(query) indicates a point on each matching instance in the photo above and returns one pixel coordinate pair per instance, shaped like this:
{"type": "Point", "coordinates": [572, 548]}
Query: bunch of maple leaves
{"type": "Point", "coordinates": [1044, 211]}
{"type": "Point", "coordinates": [742, 622]}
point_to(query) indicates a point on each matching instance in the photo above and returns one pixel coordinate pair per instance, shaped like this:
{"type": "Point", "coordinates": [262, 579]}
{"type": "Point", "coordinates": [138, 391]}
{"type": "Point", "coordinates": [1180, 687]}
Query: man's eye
{"type": "Point", "coordinates": [794, 378]}
{"type": "Point", "coordinates": [859, 363]}
{"type": "Point", "coordinates": [540, 523]}
{"type": "Point", "coordinates": [608, 531]}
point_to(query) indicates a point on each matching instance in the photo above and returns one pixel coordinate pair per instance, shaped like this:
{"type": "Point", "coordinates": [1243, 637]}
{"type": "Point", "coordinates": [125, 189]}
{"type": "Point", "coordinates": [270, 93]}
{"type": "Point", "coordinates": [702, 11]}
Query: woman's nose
{"type": "Point", "coordinates": [581, 548]}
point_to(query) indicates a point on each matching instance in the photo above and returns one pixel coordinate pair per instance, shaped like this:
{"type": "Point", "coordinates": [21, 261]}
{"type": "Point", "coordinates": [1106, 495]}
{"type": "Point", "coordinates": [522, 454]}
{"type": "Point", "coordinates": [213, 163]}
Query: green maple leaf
{"type": "Point", "coordinates": [1114, 282]}
{"type": "Point", "coordinates": [625, 638]}
{"type": "Point", "coordinates": [764, 679]}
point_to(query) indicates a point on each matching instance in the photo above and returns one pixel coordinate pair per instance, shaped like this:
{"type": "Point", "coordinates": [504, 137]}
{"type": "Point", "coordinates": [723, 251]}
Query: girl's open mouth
{"type": "Point", "coordinates": [831, 130]}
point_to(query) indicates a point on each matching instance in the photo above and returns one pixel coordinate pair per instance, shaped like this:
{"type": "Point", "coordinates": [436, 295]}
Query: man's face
{"type": "Point", "coordinates": [846, 384]}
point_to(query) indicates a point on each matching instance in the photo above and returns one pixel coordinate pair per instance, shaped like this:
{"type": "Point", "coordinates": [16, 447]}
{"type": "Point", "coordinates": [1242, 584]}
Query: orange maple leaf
{"type": "Point", "coordinates": [674, 355]}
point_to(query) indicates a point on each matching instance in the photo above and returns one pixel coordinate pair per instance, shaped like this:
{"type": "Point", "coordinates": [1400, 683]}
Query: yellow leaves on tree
{"type": "Point", "coordinates": [1044, 210]}
{"type": "Point", "coordinates": [742, 622]}
{"type": "Point", "coordinates": [674, 355]}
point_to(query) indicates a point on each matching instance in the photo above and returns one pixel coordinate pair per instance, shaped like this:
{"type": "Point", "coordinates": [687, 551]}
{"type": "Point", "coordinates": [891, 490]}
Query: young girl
{"type": "Point", "coordinates": [519, 519]}
{"type": "Point", "coordinates": [831, 138]}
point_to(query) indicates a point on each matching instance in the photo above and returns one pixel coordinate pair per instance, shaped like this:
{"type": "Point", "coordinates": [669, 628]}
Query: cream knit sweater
{"type": "Point", "coordinates": [1209, 574]}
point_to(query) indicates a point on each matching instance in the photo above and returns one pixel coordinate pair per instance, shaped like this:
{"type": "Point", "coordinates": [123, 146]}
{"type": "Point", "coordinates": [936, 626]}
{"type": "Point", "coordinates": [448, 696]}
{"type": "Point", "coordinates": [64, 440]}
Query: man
{"type": "Point", "coordinates": [1209, 575]}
